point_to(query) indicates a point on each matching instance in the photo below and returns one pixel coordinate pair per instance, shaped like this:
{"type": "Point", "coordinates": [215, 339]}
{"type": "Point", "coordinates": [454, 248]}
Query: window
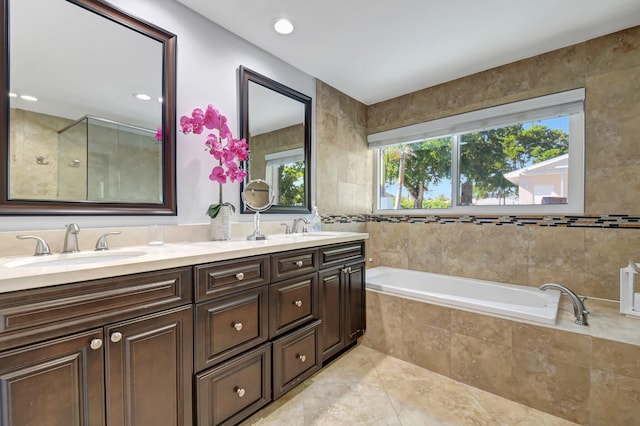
{"type": "Point", "coordinates": [284, 171]}
{"type": "Point", "coordinates": [524, 157]}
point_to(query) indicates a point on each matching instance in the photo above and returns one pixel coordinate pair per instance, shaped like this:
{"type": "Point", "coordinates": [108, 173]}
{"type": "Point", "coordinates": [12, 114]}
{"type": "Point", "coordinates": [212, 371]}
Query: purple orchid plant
{"type": "Point", "coordinates": [221, 145]}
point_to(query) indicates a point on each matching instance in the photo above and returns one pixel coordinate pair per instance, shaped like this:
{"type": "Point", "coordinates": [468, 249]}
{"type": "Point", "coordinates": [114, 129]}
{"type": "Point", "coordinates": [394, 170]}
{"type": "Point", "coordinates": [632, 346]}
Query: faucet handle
{"type": "Point", "coordinates": [287, 228]}
{"type": "Point", "coordinates": [42, 248]}
{"type": "Point", "coordinates": [582, 299]}
{"type": "Point", "coordinates": [102, 244]}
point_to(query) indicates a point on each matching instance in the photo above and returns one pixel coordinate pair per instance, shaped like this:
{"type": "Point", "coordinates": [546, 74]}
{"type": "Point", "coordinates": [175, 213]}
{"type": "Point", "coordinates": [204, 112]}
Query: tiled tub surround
{"type": "Point", "coordinates": [589, 375]}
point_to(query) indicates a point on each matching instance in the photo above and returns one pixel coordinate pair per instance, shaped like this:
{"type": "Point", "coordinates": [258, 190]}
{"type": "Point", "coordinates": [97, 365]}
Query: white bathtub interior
{"type": "Point", "coordinates": [509, 301]}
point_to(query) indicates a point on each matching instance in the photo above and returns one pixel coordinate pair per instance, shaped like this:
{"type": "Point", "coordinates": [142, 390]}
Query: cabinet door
{"type": "Point", "coordinates": [355, 301]}
{"type": "Point", "coordinates": [331, 312]}
{"type": "Point", "coordinates": [59, 382]}
{"type": "Point", "coordinates": [148, 370]}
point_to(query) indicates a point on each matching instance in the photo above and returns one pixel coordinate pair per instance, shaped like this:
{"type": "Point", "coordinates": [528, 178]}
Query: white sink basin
{"type": "Point", "coordinates": [321, 234]}
{"type": "Point", "coordinates": [72, 259]}
{"type": "Point", "coordinates": [303, 235]}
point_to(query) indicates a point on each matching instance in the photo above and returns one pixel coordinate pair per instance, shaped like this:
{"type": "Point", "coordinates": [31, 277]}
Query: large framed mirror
{"type": "Point", "coordinates": [276, 122]}
{"type": "Point", "coordinates": [88, 118]}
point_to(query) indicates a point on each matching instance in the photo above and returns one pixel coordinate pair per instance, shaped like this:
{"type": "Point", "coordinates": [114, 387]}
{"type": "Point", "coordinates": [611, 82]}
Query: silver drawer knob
{"type": "Point", "coordinates": [237, 326]}
{"type": "Point", "coordinates": [240, 391]}
{"type": "Point", "coordinates": [302, 358]}
{"type": "Point", "coordinates": [298, 303]}
{"type": "Point", "coordinates": [116, 337]}
{"type": "Point", "coordinates": [240, 276]}
{"type": "Point", "coordinates": [299, 263]}
{"type": "Point", "coordinates": [95, 344]}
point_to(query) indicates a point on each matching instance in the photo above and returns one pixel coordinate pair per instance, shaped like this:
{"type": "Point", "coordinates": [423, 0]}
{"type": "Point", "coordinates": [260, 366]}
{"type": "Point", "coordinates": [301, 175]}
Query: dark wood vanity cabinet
{"type": "Point", "coordinates": [342, 296]}
{"type": "Point", "coordinates": [131, 363]}
{"type": "Point", "coordinates": [131, 350]}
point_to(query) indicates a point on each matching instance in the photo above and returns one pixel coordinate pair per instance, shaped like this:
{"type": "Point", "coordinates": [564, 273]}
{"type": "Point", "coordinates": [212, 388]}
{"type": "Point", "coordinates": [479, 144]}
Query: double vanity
{"type": "Point", "coordinates": [198, 333]}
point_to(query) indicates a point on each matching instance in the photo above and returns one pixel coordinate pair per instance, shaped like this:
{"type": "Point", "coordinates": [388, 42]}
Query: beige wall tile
{"type": "Point", "coordinates": [481, 364]}
{"type": "Point", "coordinates": [616, 357]}
{"type": "Point", "coordinates": [482, 327]}
{"type": "Point", "coordinates": [608, 250]}
{"type": "Point", "coordinates": [620, 50]}
{"type": "Point", "coordinates": [614, 399]}
{"type": "Point", "coordinates": [384, 324]}
{"type": "Point", "coordinates": [568, 347]}
{"type": "Point", "coordinates": [551, 385]}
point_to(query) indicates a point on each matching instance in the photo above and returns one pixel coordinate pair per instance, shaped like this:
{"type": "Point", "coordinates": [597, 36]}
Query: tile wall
{"type": "Point", "coordinates": [585, 379]}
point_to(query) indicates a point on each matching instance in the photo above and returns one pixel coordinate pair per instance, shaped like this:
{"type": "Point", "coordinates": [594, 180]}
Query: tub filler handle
{"type": "Point", "coordinates": [579, 310]}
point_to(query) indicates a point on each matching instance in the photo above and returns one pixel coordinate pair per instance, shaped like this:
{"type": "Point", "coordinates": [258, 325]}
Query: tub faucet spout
{"type": "Point", "coordinates": [579, 310]}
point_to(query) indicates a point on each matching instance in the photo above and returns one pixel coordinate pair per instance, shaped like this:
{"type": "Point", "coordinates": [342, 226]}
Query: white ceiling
{"type": "Point", "coordinates": [374, 50]}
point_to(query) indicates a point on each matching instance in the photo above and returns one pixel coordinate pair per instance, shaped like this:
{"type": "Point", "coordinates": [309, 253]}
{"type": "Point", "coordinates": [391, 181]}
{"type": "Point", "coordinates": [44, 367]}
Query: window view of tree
{"type": "Point", "coordinates": [520, 164]}
{"type": "Point", "coordinates": [291, 184]}
{"type": "Point", "coordinates": [487, 157]}
{"type": "Point", "coordinates": [418, 168]}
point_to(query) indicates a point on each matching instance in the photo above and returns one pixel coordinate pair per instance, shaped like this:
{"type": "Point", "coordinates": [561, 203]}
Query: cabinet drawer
{"type": "Point", "coordinates": [293, 302]}
{"type": "Point", "coordinates": [230, 325]}
{"type": "Point", "coordinates": [220, 278]}
{"type": "Point", "coordinates": [32, 315]}
{"type": "Point", "coordinates": [235, 389]}
{"type": "Point", "coordinates": [295, 357]}
{"type": "Point", "coordinates": [341, 253]}
{"type": "Point", "coordinates": [293, 263]}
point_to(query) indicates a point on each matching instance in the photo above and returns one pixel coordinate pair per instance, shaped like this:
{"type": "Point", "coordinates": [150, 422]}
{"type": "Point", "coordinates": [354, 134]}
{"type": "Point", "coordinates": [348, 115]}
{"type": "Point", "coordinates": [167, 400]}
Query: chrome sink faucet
{"type": "Point", "coordinates": [579, 310]}
{"type": "Point", "coordinates": [71, 238]}
{"type": "Point", "coordinates": [296, 224]}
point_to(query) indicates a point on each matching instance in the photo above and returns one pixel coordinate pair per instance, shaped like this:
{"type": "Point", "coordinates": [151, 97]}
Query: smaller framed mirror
{"type": "Point", "coordinates": [275, 120]}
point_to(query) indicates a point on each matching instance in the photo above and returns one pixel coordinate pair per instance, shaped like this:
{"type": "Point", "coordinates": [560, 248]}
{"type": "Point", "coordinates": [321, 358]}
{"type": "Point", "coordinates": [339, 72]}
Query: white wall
{"type": "Point", "coordinates": [208, 60]}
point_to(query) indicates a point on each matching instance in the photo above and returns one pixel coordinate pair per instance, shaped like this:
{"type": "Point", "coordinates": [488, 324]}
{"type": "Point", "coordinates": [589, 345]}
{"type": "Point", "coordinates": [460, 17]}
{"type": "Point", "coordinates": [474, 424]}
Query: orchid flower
{"type": "Point", "coordinates": [220, 144]}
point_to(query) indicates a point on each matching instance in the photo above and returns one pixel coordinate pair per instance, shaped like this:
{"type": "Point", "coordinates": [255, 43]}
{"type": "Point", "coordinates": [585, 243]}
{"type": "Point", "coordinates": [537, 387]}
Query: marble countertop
{"type": "Point", "coordinates": [169, 255]}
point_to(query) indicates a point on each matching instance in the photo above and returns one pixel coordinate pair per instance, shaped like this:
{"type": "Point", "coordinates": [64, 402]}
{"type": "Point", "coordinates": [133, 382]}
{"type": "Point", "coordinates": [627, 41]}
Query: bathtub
{"type": "Point", "coordinates": [509, 301]}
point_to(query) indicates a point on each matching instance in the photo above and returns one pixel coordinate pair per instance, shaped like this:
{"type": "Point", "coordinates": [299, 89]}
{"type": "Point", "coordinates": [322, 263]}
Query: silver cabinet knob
{"type": "Point", "coordinates": [116, 337]}
{"type": "Point", "coordinates": [299, 263]}
{"type": "Point", "coordinates": [298, 303]}
{"type": "Point", "coordinates": [240, 276]}
{"type": "Point", "coordinates": [237, 326]}
{"type": "Point", "coordinates": [95, 344]}
{"type": "Point", "coordinates": [240, 391]}
{"type": "Point", "coordinates": [302, 358]}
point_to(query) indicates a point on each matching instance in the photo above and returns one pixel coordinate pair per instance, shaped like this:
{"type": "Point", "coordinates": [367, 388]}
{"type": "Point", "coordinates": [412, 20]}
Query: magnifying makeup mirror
{"type": "Point", "coordinates": [258, 197]}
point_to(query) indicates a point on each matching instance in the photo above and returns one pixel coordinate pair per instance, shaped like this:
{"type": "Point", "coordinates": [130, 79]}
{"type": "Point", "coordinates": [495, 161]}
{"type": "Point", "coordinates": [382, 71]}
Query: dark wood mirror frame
{"type": "Point", "coordinates": [53, 207]}
{"type": "Point", "coordinates": [246, 76]}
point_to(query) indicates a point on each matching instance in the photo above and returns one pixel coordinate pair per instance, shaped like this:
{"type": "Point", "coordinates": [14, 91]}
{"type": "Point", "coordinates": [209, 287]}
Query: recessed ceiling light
{"type": "Point", "coordinates": [161, 99]}
{"type": "Point", "coordinates": [28, 98]}
{"type": "Point", "coordinates": [283, 26]}
{"type": "Point", "coordinates": [12, 95]}
{"type": "Point", "coordinates": [142, 96]}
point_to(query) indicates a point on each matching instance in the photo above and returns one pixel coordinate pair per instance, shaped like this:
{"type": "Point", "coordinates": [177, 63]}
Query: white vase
{"type": "Point", "coordinates": [220, 226]}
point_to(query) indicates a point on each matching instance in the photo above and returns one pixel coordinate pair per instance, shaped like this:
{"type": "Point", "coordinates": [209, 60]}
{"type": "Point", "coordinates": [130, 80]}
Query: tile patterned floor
{"type": "Point", "coordinates": [366, 387]}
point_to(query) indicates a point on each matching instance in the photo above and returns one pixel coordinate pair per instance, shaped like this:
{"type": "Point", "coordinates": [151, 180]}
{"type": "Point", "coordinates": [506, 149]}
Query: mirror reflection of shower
{"type": "Point", "coordinates": [109, 161]}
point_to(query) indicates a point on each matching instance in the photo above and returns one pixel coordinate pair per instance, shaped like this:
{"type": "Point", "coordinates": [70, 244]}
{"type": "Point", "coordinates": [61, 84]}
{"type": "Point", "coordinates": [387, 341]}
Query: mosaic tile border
{"type": "Point", "coordinates": [601, 221]}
